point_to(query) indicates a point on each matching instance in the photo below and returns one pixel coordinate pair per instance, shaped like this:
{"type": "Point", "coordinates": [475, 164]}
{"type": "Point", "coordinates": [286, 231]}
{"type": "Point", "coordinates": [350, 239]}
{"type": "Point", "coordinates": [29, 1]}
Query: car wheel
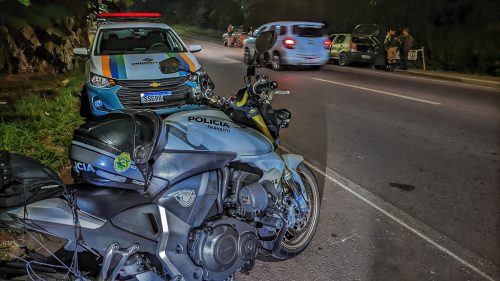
{"type": "Point", "coordinates": [276, 62]}
{"type": "Point", "coordinates": [84, 104]}
{"type": "Point", "coordinates": [343, 60]}
{"type": "Point", "coordinates": [246, 56]}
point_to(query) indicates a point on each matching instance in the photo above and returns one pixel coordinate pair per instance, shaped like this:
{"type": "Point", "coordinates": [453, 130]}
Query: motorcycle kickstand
{"type": "Point", "coordinates": [113, 249]}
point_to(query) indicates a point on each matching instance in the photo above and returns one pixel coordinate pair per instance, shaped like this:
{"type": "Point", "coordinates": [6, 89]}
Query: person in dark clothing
{"type": "Point", "coordinates": [406, 45]}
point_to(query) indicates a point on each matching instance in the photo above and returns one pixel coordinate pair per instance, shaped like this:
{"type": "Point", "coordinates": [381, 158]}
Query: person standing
{"type": "Point", "coordinates": [230, 39]}
{"type": "Point", "coordinates": [391, 44]}
{"type": "Point", "coordinates": [406, 45]}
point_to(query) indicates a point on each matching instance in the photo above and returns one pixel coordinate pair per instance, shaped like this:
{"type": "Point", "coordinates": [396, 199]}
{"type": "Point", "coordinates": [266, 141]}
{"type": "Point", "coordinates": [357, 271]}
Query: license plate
{"type": "Point", "coordinates": [366, 57]}
{"type": "Point", "coordinates": [153, 97]}
{"type": "Point", "coordinates": [311, 60]}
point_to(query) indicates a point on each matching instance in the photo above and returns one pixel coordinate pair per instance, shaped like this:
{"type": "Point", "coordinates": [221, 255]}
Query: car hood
{"type": "Point", "coordinates": [139, 66]}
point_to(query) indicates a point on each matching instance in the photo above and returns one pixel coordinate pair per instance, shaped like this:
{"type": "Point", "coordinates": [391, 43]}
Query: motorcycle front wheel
{"type": "Point", "coordinates": [298, 237]}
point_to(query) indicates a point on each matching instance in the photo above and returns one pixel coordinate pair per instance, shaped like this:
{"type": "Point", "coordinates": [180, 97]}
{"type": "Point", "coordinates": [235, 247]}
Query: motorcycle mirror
{"type": "Point", "coordinates": [170, 65]}
{"type": "Point", "coordinates": [265, 41]}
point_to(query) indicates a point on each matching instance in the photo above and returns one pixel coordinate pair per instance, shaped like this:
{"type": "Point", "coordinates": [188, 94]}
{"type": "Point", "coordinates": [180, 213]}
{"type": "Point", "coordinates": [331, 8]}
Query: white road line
{"type": "Point", "coordinates": [356, 190]}
{"type": "Point", "coordinates": [379, 92]}
{"type": "Point", "coordinates": [409, 76]}
{"type": "Point", "coordinates": [231, 60]}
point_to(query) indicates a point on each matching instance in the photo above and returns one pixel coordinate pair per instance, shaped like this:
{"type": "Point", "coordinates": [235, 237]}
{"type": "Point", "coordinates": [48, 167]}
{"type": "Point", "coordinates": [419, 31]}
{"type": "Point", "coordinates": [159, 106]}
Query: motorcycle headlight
{"type": "Point", "coordinates": [101, 81]}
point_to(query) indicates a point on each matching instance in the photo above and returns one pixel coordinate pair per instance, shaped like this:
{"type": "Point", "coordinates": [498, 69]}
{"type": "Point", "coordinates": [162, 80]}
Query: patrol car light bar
{"type": "Point", "coordinates": [128, 15]}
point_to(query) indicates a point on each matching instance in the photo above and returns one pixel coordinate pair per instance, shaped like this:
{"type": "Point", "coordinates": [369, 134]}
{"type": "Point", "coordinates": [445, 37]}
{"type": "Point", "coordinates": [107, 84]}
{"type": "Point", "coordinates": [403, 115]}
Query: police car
{"type": "Point", "coordinates": [123, 66]}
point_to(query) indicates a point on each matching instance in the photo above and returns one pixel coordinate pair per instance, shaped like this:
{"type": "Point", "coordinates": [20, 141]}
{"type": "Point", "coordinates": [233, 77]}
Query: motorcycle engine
{"type": "Point", "coordinates": [224, 246]}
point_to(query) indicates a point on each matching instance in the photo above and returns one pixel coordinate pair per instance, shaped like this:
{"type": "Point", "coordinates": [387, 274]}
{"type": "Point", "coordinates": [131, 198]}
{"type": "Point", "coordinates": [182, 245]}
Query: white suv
{"type": "Point", "coordinates": [299, 43]}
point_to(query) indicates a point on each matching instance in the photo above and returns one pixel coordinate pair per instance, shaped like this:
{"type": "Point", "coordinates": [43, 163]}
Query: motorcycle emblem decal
{"type": "Point", "coordinates": [185, 197]}
{"type": "Point", "coordinates": [154, 85]}
{"type": "Point", "coordinates": [122, 162]}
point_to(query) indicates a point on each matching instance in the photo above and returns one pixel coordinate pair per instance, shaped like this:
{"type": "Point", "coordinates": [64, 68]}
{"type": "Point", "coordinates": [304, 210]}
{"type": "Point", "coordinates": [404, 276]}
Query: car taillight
{"type": "Point", "coordinates": [289, 43]}
{"type": "Point", "coordinates": [327, 43]}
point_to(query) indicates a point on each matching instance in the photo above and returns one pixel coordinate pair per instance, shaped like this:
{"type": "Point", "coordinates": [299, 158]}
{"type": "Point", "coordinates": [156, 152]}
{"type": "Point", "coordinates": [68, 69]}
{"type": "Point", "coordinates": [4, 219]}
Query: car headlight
{"type": "Point", "coordinates": [101, 81]}
{"type": "Point", "coordinates": [193, 77]}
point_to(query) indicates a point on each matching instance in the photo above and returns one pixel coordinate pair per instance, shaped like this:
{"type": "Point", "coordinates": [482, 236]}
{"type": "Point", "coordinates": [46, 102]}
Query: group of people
{"type": "Point", "coordinates": [395, 43]}
{"type": "Point", "coordinates": [233, 40]}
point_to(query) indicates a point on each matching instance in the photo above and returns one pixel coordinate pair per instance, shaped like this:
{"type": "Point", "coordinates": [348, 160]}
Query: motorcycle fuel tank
{"type": "Point", "coordinates": [213, 130]}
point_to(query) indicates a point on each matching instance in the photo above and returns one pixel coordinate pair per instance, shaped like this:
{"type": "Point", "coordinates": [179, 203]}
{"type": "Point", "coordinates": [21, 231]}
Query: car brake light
{"type": "Point", "coordinates": [289, 43]}
{"type": "Point", "coordinates": [327, 43]}
{"type": "Point", "coordinates": [129, 15]}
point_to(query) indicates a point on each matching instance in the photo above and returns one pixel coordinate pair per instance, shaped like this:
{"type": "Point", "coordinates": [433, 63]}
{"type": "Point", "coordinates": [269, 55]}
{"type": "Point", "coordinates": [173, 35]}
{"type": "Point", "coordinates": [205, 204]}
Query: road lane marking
{"type": "Point", "coordinates": [231, 60]}
{"type": "Point", "coordinates": [451, 83]}
{"type": "Point", "coordinates": [379, 92]}
{"type": "Point", "coordinates": [410, 223]}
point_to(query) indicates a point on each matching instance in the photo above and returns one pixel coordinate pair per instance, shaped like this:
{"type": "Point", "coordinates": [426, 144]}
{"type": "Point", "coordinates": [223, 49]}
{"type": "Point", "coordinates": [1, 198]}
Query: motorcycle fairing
{"type": "Point", "coordinates": [104, 202]}
{"type": "Point", "coordinates": [176, 165]}
{"type": "Point", "coordinates": [292, 161]}
{"type": "Point", "coordinates": [193, 199]}
{"type": "Point", "coordinates": [270, 164]}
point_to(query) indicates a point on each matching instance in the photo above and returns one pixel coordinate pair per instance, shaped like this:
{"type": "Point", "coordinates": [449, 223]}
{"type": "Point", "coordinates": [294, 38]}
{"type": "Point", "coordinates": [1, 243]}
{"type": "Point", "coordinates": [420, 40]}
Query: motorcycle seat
{"type": "Point", "coordinates": [105, 202]}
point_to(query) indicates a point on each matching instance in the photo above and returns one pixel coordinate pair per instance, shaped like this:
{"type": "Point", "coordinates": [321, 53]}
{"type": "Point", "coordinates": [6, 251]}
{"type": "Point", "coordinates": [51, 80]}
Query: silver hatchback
{"type": "Point", "coordinates": [299, 43]}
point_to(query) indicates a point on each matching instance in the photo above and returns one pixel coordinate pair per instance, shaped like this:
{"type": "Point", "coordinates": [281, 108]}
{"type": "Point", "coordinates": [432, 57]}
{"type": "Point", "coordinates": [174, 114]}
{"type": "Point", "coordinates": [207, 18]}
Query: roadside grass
{"type": "Point", "coordinates": [41, 125]}
{"type": "Point", "coordinates": [188, 30]}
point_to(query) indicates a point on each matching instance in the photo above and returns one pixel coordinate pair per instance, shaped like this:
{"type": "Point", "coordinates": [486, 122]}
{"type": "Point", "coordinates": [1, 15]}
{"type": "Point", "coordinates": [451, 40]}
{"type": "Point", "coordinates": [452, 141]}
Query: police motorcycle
{"type": "Point", "coordinates": [199, 195]}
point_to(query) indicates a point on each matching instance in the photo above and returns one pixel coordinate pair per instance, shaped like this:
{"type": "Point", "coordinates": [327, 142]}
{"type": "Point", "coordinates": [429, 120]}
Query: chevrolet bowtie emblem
{"type": "Point", "coordinates": [154, 85]}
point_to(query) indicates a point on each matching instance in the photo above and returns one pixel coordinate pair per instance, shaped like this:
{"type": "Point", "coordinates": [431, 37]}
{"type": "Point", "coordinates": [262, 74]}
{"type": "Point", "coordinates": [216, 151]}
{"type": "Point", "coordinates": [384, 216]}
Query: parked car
{"type": "Point", "coordinates": [299, 43]}
{"type": "Point", "coordinates": [123, 67]}
{"type": "Point", "coordinates": [239, 34]}
{"type": "Point", "coordinates": [360, 46]}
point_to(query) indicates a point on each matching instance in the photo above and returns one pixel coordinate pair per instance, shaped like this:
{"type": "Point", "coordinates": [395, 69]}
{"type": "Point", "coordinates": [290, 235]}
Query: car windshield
{"type": "Point", "coordinates": [308, 30]}
{"type": "Point", "coordinates": [118, 41]}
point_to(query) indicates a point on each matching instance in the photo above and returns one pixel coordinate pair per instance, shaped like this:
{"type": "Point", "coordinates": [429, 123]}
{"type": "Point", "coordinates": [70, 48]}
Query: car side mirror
{"type": "Point", "coordinates": [194, 48]}
{"type": "Point", "coordinates": [81, 52]}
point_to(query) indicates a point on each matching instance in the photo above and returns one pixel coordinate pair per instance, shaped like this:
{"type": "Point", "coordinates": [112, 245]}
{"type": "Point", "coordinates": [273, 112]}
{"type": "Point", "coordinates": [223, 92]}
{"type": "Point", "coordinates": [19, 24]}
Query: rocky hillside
{"type": "Point", "coordinates": [40, 39]}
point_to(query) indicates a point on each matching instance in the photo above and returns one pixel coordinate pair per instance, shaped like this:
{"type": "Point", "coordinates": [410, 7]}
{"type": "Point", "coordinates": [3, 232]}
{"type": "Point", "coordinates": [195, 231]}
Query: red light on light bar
{"type": "Point", "coordinates": [129, 15]}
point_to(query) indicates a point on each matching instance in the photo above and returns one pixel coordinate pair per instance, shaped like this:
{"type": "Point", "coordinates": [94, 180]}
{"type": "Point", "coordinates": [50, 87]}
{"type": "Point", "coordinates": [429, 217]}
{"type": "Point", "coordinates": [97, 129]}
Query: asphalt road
{"type": "Point", "coordinates": [410, 168]}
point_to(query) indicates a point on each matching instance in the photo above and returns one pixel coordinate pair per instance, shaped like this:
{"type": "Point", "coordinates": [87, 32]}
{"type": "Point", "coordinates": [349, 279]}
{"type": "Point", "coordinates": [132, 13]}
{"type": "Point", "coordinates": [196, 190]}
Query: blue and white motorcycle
{"type": "Point", "coordinates": [197, 196]}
